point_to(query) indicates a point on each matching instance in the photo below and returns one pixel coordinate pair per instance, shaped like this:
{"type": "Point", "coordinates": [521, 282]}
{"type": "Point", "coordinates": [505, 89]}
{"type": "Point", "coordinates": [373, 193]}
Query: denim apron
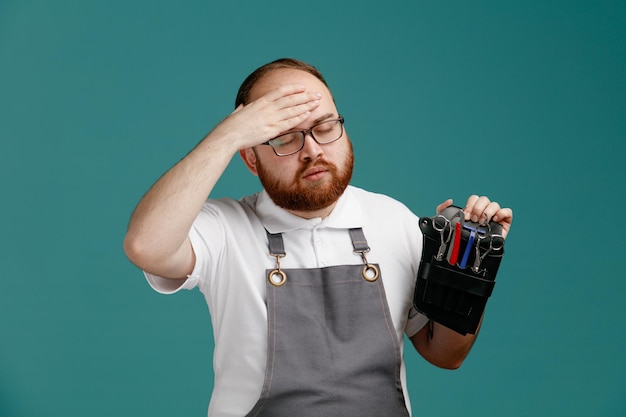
{"type": "Point", "coordinates": [332, 347]}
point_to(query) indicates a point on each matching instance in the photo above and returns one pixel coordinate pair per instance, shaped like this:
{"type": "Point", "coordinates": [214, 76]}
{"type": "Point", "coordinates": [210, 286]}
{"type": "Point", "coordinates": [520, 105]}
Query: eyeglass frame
{"type": "Point", "coordinates": [309, 132]}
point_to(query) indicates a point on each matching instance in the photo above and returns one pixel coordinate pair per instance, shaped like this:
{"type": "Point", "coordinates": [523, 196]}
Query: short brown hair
{"type": "Point", "coordinates": [251, 80]}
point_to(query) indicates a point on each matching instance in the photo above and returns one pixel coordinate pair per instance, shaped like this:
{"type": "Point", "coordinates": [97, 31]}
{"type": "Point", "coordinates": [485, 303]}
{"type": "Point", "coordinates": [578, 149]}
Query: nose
{"type": "Point", "coordinates": [311, 149]}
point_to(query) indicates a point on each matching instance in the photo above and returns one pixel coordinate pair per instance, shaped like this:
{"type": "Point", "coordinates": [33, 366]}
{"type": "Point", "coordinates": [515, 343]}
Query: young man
{"type": "Point", "coordinates": [293, 275]}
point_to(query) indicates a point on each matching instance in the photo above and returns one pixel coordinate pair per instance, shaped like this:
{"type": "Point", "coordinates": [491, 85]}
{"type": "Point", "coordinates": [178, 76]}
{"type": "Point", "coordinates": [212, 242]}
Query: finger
{"type": "Point", "coordinates": [283, 91]}
{"type": "Point", "coordinates": [284, 104]}
{"type": "Point", "coordinates": [291, 117]}
{"type": "Point", "coordinates": [504, 217]}
{"type": "Point", "coordinates": [297, 109]}
{"type": "Point", "coordinates": [476, 210]}
{"type": "Point", "coordinates": [296, 99]}
{"type": "Point", "coordinates": [469, 205]}
{"type": "Point", "coordinates": [271, 122]}
{"type": "Point", "coordinates": [292, 121]}
{"type": "Point", "coordinates": [490, 211]}
{"type": "Point", "coordinates": [504, 214]}
{"type": "Point", "coordinates": [441, 207]}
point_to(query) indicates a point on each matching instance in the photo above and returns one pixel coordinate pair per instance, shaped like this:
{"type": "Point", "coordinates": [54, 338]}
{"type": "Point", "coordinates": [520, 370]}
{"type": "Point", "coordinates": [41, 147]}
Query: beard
{"type": "Point", "coordinates": [301, 195]}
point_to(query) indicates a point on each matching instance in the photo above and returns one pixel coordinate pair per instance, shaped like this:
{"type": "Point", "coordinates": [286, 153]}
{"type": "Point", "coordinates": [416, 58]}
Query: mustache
{"type": "Point", "coordinates": [317, 163]}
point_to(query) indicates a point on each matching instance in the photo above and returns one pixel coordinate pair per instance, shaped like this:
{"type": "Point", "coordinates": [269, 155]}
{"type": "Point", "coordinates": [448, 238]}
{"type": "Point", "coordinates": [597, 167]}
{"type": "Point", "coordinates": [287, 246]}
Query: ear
{"type": "Point", "coordinates": [249, 158]}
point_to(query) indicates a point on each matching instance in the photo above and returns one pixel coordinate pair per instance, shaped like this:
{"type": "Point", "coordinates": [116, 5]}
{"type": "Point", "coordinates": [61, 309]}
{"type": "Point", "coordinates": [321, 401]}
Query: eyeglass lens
{"type": "Point", "coordinates": [324, 132]}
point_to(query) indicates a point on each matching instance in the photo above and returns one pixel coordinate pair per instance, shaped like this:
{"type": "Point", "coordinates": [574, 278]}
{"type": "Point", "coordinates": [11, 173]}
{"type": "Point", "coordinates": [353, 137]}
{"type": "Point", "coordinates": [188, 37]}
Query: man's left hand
{"type": "Point", "coordinates": [482, 209]}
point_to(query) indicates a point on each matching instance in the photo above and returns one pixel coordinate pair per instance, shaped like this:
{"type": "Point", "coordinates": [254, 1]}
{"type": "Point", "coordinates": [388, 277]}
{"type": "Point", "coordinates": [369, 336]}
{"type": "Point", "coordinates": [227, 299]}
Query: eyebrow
{"type": "Point", "coordinates": [324, 117]}
{"type": "Point", "coordinates": [316, 121]}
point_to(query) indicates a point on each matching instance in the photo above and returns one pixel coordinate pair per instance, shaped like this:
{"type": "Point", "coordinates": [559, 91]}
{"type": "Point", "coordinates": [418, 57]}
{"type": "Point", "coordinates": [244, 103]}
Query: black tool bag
{"type": "Point", "coordinates": [455, 279]}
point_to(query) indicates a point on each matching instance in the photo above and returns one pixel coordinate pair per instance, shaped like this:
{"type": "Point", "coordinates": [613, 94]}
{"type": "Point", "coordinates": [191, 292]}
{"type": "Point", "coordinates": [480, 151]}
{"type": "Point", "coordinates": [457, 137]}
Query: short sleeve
{"type": "Point", "coordinates": [171, 286]}
{"type": "Point", "coordinates": [415, 322]}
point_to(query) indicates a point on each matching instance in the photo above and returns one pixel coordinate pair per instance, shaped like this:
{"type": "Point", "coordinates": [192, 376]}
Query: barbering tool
{"type": "Point", "coordinates": [453, 255]}
{"type": "Point", "coordinates": [482, 232]}
{"type": "Point", "coordinates": [442, 225]}
{"type": "Point", "coordinates": [496, 242]}
{"type": "Point", "coordinates": [454, 292]}
{"type": "Point", "coordinates": [468, 247]}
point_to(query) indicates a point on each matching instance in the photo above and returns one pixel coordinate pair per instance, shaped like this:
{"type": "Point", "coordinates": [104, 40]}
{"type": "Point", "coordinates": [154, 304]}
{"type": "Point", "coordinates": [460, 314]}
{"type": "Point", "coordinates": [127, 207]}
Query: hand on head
{"type": "Point", "coordinates": [268, 116]}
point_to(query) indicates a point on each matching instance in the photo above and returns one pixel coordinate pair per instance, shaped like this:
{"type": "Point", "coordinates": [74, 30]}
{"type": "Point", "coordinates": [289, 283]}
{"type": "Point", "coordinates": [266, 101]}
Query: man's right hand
{"type": "Point", "coordinates": [268, 116]}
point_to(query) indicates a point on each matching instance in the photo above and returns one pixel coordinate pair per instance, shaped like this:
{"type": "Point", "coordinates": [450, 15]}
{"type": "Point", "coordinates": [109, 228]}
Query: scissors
{"type": "Point", "coordinates": [496, 242]}
{"type": "Point", "coordinates": [443, 225]}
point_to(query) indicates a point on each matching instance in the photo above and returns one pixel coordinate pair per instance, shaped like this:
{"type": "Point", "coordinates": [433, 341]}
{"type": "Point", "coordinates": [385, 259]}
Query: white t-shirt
{"type": "Point", "coordinates": [232, 255]}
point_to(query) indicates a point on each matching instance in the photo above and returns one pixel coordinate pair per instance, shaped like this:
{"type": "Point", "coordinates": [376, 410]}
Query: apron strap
{"type": "Point", "coordinates": [277, 248]}
{"type": "Point", "coordinates": [357, 236]}
{"type": "Point", "coordinates": [370, 272]}
{"type": "Point", "coordinates": [277, 277]}
{"type": "Point", "coordinates": [358, 240]}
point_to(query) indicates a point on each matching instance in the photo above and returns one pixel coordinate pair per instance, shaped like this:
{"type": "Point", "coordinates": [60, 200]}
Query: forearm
{"type": "Point", "coordinates": [158, 229]}
{"type": "Point", "coordinates": [443, 347]}
{"type": "Point", "coordinates": [436, 343]}
{"type": "Point", "coordinates": [157, 234]}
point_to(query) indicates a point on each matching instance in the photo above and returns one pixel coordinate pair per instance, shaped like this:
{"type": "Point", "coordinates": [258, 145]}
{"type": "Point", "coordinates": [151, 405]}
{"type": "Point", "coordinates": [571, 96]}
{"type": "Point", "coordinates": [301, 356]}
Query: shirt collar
{"type": "Point", "coordinates": [346, 214]}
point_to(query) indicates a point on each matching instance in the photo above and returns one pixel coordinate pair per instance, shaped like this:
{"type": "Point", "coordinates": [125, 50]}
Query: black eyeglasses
{"type": "Point", "coordinates": [323, 133]}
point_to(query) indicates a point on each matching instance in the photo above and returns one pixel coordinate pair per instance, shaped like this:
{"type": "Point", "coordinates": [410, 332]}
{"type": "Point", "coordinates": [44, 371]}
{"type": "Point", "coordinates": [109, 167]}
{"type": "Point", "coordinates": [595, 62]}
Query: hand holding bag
{"type": "Point", "coordinates": [457, 272]}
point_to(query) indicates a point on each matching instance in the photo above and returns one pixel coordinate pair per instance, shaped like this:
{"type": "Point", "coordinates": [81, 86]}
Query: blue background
{"type": "Point", "coordinates": [524, 101]}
